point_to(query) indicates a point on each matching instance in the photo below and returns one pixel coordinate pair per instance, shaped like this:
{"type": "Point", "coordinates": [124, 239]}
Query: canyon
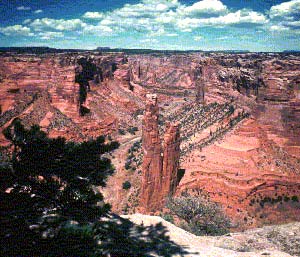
{"type": "Point", "coordinates": [220, 124]}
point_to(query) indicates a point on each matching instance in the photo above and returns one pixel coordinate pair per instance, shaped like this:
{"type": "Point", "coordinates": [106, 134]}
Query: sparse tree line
{"type": "Point", "coordinates": [215, 135]}
{"type": "Point", "coordinates": [134, 157]}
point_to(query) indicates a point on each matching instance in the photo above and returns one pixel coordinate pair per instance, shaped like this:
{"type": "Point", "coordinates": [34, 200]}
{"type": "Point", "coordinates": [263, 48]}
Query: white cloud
{"type": "Point", "coordinates": [99, 30]}
{"type": "Point", "coordinates": [169, 17]}
{"type": "Point", "coordinates": [23, 8]}
{"type": "Point", "coordinates": [241, 16]}
{"type": "Point", "coordinates": [149, 40]}
{"type": "Point", "coordinates": [285, 9]}
{"type": "Point", "coordinates": [293, 23]}
{"type": "Point", "coordinates": [198, 38]}
{"type": "Point", "coordinates": [93, 15]}
{"type": "Point", "coordinates": [285, 17]}
{"type": "Point", "coordinates": [60, 24]}
{"type": "Point", "coordinates": [171, 35]}
{"type": "Point", "coordinates": [38, 11]}
{"type": "Point", "coordinates": [26, 21]}
{"type": "Point", "coordinates": [206, 6]}
{"type": "Point", "coordinates": [50, 35]}
{"type": "Point", "coordinates": [16, 30]}
{"type": "Point", "coordinates": [161, 7]}
{"type": "Point", "coordinates": [278, 28]}
{"type": "Point", "coordinates": [166, 17]}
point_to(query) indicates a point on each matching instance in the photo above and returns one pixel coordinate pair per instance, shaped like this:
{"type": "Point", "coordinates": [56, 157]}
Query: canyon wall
{"type": "Point", "coordinates": [72, 95]}
{"type": "Point", "coordinates": [242, 147]}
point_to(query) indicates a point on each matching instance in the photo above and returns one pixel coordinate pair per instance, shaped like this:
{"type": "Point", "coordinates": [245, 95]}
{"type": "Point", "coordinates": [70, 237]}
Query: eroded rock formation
{"type": "Point", "coordinates": [87, 94]}
{"type": "Point", "coordinates": [152, 161]}
{"type": "Point", "coordinates": [159, 173]}
{"type": "Point", "coordinates": [248, 163]}
{"type": "Point", "coordinates": [171, 154]}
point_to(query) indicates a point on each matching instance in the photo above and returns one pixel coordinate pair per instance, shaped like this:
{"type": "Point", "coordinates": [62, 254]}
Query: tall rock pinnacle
{"type": "Point", "coordinates": [152, 162]}
{"type": "Point", "coordinates": [159, 173]}
{"type": "Point", "coordinates": [170, 159]}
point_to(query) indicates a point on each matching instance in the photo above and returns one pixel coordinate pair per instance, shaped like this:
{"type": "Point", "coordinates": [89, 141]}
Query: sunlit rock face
{"type": "Point", "coordinates": [171, 155]}
{"type": "Point", "coordinates": [250, 164]}
{"type": "Point", "coordinates": [71, 95]}
{"type": "Point", "coordinates": [150, 198]}
{"type": "Point", "coordinates": [160, 163]}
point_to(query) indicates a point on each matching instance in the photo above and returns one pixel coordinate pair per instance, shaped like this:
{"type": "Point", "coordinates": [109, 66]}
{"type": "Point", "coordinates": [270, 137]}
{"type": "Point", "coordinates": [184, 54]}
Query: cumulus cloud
{"type": "Point", "coordinates": [26, 21]}
{"type": "Point", "coordinates": [99, 30]}
{"type": "Point", "coordinates": [93, 15]}
{"type": "Point", "coordinates": [206, 7]}
{"type": "Point", "coordinates": [57, 24]}
{"type": "Point", "coordinates": [167, 17]}
{"type": "Point", "coordinates": [50, 35]}
{"type": "Point", "coordinates": [38, 11]}
{"type": "Point", "coordinates": [198, 38]}
{"type": "Point", "coordinates": [285, 9]}
{"type": "Point", "coordinates": [278, 28]}
{"type": "Point", "coordinates": [23, 8]}
{"type": "Point", "coordinates": [16, 30]}
{"type": "Point", "coordinates": [285, 17]}
{"type": "Point", "coordinates": [153, 18]}
{"type": "Point", "coordinates": [239, 17]}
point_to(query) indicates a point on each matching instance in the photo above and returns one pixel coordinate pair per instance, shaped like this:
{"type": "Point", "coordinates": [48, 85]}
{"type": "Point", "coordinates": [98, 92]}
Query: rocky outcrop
{"type": "Point", "coordinates": [89, 92]}
{"type": "Point", "coordinates": [171, 154]}
{"type": "Point", "coordinates": [275, 241]}
{"type": "Point", "coordinates": [159, 173]}
{"type": "Point", "coordinates": [152, 160]}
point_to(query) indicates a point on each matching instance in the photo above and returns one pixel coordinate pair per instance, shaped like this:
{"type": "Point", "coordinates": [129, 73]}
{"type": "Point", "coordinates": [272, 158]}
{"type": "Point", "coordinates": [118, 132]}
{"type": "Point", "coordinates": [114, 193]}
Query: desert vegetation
{"type": "Point", "coordinates": [199, 215]}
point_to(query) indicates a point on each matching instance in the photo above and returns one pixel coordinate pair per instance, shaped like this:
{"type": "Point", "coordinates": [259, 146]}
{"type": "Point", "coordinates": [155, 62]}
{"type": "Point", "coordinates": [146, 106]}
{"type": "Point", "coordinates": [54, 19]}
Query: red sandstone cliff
{"type": "Point", "coordinates": [159, 174]}
{"type": "Point", "coordinates": [240, 166]}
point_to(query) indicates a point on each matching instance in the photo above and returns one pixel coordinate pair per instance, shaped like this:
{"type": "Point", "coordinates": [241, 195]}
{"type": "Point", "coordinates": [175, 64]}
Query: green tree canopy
{"type": "Point", "coordinates": [53, 194]}
{"type": "Point", "coordinates": [50, 205]}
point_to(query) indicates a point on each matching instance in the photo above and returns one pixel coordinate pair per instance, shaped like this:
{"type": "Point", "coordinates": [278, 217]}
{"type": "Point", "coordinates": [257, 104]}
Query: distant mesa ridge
{"type": "Point", "coordinates": [46, 49]}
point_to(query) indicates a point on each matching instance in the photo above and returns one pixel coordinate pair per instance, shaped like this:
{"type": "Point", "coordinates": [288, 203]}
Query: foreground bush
{"type": "Point", "coordinates": [200, 216]}
{"type": "Point", "coordinates": [50, 205]}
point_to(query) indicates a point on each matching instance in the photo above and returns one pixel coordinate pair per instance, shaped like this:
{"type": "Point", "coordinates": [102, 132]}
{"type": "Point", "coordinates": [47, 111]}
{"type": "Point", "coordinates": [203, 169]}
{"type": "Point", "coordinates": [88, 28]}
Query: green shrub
{"type": "Point", "coordinates": [201, 216]}
{"type": "Point", "coordinates": [126, 185]}
{"type": "Point", "coordinates": [127, 165]}
{"type": "Point", "coordinates": [168, 217]}
{"type": "Point", "coordinates": [122, 131]}
{"type": "Point", "coordinates": [132, 130]}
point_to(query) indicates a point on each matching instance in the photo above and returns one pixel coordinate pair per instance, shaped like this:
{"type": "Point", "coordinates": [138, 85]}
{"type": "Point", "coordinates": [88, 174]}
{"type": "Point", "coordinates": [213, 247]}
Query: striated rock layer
{"type": "Point", "coordinates": [242, 147]}
{"type": "Point", "coordinates": [84, 95]}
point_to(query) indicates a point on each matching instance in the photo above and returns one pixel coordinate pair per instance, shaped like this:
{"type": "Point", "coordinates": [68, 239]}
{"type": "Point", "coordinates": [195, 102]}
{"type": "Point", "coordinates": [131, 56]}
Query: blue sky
{"type": "Point", "coordinates": [165, 24]}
